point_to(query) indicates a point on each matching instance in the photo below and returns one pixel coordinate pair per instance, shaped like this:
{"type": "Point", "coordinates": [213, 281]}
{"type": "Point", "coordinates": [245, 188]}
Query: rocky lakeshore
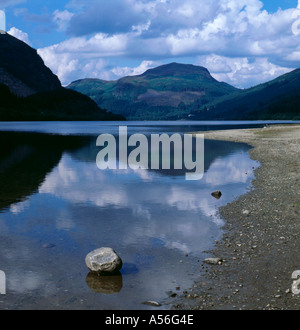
{"type": "Point", "coordinates": [260, 248]}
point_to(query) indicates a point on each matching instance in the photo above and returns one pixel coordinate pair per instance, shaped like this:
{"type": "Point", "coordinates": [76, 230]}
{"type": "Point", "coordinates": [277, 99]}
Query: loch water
{"type": "Point", "coordinates": [56, 206]}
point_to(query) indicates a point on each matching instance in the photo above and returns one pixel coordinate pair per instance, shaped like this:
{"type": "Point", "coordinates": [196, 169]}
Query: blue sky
{"type": "Point", "coordinates": [242, 42]}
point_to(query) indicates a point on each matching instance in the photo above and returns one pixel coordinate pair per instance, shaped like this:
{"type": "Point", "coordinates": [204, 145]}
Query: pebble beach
{"type": "Point", "coordinates": [260, 249]}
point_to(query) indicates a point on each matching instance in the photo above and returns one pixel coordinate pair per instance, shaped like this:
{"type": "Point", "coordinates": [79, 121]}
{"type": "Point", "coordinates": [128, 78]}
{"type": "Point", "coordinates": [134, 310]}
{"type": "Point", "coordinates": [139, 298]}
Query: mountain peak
{"type": "Point", "coordinates": [177, 69]}
{"type": "Point", "coordinates": [168, 90]}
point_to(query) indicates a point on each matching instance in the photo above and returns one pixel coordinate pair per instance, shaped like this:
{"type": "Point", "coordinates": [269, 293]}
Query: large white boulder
{"type": "Point", "coordinates": [103, 261]}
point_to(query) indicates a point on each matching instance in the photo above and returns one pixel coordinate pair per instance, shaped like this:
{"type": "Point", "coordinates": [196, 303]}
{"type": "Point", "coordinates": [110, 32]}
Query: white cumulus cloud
{"type": "Point", "coordinates": [62, 19]}
{"type": "Point", "coordinates": [241, 71]}
{"type": "Point", "coordinates": [246, 43]}
{"type": "Point", "coordinates": [128, 71]}
{"type": "Point", "coordinates": [19, 35]}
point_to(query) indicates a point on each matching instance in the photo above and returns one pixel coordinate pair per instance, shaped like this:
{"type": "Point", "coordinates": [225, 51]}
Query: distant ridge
{"type": "Point", "coordinates": [278, 99]}
{"type": "Point", "coordinates": [164, 92]}
{"type": "Point", "coordinates": [183, 92]}
{"type": "Point", "coordinates": [177, 70]}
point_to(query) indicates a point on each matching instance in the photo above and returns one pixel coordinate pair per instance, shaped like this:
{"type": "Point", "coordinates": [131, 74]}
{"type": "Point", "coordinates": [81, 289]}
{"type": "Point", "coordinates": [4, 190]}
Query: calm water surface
{"type": "Point", "coordinates": [56, 206]}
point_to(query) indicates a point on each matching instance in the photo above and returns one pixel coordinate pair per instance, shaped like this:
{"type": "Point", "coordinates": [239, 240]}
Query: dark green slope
{"type": "Point", "coordinates": [22, 69]}
{"type": "Point", "coordinates": [276, 99]}
{"type": "Point", "coordinates": [60, 104]}
{"type": "Point", "coordinates": [30, 91]}
{"type": "Point", "coordinates": [165, 92]}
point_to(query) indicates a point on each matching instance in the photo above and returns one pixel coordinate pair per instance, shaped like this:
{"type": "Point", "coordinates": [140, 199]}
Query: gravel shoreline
{"type": "Point", "coordinates": [260, 247]}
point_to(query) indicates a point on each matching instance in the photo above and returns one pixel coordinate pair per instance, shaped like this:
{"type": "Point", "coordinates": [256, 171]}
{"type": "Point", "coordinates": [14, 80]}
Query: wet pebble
{"type": "Point", "coordinates": [213, 261]}
{"type": "Point", "coordinates": [151, 303]}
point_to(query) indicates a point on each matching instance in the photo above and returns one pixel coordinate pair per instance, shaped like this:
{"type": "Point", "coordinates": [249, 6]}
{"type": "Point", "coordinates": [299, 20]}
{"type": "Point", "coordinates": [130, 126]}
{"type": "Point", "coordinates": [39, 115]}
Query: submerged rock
{"type": "Point", "coordinates": [217, 194]}
{"type": "Point", "coordinates": [104, 261]}
{"type": "Point", "coordinates": [110, 284]}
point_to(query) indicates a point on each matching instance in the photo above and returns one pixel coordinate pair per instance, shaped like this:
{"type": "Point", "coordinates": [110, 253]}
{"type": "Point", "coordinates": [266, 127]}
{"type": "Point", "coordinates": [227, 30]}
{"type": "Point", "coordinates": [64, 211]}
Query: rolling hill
{"type": "Point", "coordinates": [165, 92]}
{"type": "Point", "coordinates": [278, 99]}
{"type": "Point", "coordinates": [180, 91]}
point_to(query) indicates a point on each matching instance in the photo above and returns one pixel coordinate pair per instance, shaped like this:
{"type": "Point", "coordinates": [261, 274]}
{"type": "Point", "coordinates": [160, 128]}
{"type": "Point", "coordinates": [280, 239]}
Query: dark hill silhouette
{"type": "Point", "coordinates": [30, 91]}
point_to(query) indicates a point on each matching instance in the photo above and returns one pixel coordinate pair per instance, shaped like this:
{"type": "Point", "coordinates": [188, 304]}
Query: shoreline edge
{"type": "Point", "coordinates": [261, 236]}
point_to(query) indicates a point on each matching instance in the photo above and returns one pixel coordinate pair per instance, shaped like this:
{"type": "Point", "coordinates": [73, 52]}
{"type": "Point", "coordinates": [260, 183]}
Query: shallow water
{"type": "Point", "coordinates": [56, 206]}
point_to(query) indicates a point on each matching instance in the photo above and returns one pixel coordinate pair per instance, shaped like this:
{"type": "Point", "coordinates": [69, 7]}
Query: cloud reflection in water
{"type": "Point", "coordinates": [190, 206]}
